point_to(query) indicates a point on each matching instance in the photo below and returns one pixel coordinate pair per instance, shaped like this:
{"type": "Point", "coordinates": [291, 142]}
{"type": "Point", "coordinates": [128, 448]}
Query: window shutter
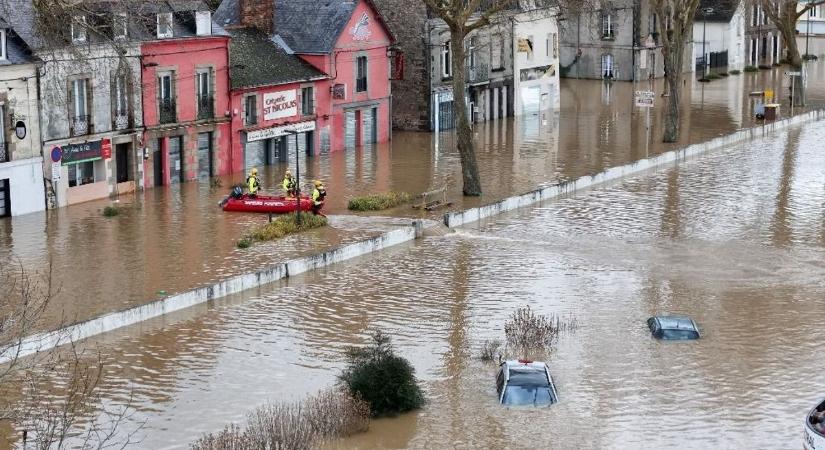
{"type": "Point", "coordinates": [87, 85]}
{"type": "Point", "coordinates": [70, 100]}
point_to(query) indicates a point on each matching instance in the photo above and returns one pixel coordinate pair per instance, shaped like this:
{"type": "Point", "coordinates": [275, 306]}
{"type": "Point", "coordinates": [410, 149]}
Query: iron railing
{"type": "Point", "coordinates": [206, 107]}
{"type": "Point", "coordinates": [4, 153]}
{"type": "Point", "coordinates": [478, 73]}
{"type": "Point", "coordinates": [121, 121]}
{"type": "Point", "coordinates": [167, 110]}
{"type": "Point", "coordinates": [80, 125]}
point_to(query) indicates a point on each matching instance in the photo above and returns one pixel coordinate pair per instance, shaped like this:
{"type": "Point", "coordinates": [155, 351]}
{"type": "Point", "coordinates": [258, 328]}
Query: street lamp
{"type": "Point", "coordinates": [807, 34]}
{"type": "Point", "coordinates": [297, 179]}
{"type": "Point", "coordinates": [705, 12]}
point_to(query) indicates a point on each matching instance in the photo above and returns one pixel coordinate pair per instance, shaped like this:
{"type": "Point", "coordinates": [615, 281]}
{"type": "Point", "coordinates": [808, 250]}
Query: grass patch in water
{"type": "Point", "coordinates": [751, 69]}
{"type": "Point", "coordinates": [735, 72]}
{"type": "Point", "coordinates": [376, 202]}
{"type": "Point", "coordinates": [287, 224]}
{"type": "Point", "coordinates": [111, 211]}
{"type": "Point", "coordinates": [244, 242]}
{"type": "Point", "coordinates": [765, 67]}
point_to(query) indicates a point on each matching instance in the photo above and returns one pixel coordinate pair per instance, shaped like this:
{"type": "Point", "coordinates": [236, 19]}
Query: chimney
{"type": "Point", "coordinates": [258, 14]}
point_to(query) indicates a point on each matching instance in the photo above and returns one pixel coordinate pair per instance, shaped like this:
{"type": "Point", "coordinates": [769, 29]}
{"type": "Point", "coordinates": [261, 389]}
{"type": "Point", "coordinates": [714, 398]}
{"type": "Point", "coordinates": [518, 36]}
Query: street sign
{"type": "Point", "coordinates": [793, 74]}
{"type": "Point", "coordinates": [644, 99]}
{"type": "Point", "coordinates": [57, 153]}
{"type": "Point", "coordinates": [55, 172]}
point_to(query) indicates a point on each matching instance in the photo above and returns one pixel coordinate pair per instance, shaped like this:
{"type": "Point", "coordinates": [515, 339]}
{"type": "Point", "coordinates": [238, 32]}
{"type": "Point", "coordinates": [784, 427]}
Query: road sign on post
{"type": "Point", "coordinates": [644, 99]}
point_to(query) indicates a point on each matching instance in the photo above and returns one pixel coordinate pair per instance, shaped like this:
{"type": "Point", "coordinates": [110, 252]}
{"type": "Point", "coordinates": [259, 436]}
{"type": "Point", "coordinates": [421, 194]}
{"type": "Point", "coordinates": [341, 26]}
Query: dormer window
{"type": "Point", "coordinates": [119, 26]}
{"type": "Point", "coordinates": [79, 30]}
{"type": "Point", "coordinates": [165, 25]}
{"type": "Point", "coordinates": [3, 53]}
{"type": "Point", "coordinates": [203, 23]}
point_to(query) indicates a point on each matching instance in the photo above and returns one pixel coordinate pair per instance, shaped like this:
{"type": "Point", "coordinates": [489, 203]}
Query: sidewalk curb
{"type": "Point", "coordinates": [119, 319]}
{"type": "Point", "coordinates": [460, 218]}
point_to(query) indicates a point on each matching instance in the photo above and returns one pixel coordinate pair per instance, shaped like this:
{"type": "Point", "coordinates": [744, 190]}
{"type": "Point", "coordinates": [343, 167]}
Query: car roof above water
{"type": "Point", "coordinates": [675, 322]}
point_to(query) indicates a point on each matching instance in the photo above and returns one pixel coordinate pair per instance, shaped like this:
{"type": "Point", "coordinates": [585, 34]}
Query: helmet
{"type": "Point", "coordinates": [254, 171]}
{"type": "Point", "coordinates": [287, 173]}
{"type": "Point", "coordinates": [318, 183]}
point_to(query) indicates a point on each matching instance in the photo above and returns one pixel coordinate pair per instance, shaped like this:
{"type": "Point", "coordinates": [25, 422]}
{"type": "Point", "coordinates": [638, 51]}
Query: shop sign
{"type": "Point", "coordinates": [269, 133]}
{"type": "Point", "coordinates": [87, 151]}
{"type": "Point", "coordinates": [278, 105]}
{"type": "Point", "coordinates": [535, 73]}
{"type": "Point", "coordinates": [106, 149]}
{"type": "Point", "coordinates": [525, 46]}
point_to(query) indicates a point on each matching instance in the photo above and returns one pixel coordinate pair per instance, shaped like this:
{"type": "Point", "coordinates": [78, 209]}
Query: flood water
{"type": "Point", "coordinates": [735, 239]}
{"type": "Point", "coordinates": [176, 238]}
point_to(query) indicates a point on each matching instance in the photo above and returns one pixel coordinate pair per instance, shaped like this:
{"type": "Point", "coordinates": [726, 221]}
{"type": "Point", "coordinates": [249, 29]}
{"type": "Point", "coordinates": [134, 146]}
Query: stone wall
{"type": "Point", "coordinates": [410, 96]}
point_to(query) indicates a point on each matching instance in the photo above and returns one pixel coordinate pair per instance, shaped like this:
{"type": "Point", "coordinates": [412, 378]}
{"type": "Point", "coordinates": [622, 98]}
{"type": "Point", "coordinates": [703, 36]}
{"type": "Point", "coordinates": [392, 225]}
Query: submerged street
{"type": "Point", "coordinates": [735, 239]}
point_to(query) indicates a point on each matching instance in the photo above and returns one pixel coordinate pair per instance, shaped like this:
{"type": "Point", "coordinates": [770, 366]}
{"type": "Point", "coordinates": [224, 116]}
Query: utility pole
{"type": "Point", "coordinates": [705, 12]}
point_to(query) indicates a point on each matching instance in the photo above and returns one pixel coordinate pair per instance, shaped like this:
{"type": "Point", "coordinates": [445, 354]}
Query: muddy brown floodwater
{"type": "Point", "coordinates": [735, 239]}
{"type": "Point", "coordinates": [176, 238]}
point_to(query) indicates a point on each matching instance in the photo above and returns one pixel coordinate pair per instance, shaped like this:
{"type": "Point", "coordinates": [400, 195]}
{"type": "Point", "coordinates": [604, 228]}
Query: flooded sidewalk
{"type": "Point", "coordinates": [172, 239]}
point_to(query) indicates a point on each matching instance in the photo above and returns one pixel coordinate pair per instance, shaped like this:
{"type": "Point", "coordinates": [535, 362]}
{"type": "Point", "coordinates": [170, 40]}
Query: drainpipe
{"type": "Point", "coordinates": [229, 106]}
{"type": "Point", "coordinates": [428, 63]}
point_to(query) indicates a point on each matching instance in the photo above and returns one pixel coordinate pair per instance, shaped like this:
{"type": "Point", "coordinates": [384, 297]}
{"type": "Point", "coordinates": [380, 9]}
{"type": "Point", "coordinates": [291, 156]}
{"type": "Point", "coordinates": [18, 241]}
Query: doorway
{"type": "Point", "coordinates": [122, 166]}
{"type": "Point", "coordinates": [175, 160]}
{"type": "Point", "coordinates": [5, 199]}
{"type": "Point", "coordinates": [157, 162]}
{"type": "Point", "coordinates": [205, 170]}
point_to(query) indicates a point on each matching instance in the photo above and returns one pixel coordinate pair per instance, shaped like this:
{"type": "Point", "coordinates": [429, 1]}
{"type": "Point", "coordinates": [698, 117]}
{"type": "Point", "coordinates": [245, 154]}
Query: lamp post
{"type": "Point", "coordinates": [705, 12]}
{"type": "Point", "coordinates": [297, 179]}
{"type": "Point", "coordinates": [807, 34]}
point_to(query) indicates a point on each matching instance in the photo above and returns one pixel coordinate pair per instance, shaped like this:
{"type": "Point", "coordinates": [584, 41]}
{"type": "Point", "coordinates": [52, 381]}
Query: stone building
{"type": "Point", "coordinates": [763, 41]}
{"type": "Point", "coordinates": [21, 163]}
{"type": "Point", "coordinates": [618, 41]}
{"type": "Point", "coordinates": [535, 62]}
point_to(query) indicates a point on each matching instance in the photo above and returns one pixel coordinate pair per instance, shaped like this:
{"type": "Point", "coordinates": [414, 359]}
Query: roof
{"type": "Point", "coordinates": [723, 10]}
{"type": "Point", "coordinates": [305, 26]}
{"type": "Point", "coordinates": [256, 60]}
{"type": "Point", "coordinates": [676, 323]}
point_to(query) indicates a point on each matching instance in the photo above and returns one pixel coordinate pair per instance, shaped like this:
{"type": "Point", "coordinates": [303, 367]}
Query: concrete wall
{"type": "Point", "coordinates": [26, 185]}
{"type": "Point", "coordinates": [544, 90]}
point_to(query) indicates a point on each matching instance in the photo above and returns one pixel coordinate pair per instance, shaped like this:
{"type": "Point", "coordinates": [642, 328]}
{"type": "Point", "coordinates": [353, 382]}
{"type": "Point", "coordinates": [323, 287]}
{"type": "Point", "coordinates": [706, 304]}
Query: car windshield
{"type": "Point", "coordinates": [527, 395]}
{"type": "Point", "coordinates": [679, 334]}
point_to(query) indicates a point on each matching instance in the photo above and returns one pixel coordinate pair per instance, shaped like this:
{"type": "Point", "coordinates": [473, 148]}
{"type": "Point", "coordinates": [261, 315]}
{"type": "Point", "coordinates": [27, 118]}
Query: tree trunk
{"type": "Point", "coordinates": [673, 57]}
{"type": "Point", "coordinates": [464, 133]}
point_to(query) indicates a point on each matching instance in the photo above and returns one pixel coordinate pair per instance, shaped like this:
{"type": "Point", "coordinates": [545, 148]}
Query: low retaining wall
{"type": "Point", "coordinates": [112, 321]}
{"type": "Point", "coordinates": [457, 219]}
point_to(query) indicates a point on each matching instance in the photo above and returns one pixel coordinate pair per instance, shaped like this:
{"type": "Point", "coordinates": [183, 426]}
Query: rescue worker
{"type": "Point", "coordinates": [253, 184]}
{"type": "Point", "coordinates": [318, 195]}
{"type": "Point", "coordinates": [289, 184]}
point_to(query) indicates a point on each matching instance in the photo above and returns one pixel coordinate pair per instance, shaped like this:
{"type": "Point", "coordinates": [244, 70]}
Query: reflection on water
{"type": "Point", "coordinates": [734, 239]}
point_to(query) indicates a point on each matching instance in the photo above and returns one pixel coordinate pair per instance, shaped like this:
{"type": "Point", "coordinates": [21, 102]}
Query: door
{"type": "Point", "coordinates": [255, 154]}
{"type": "Point", "coordinates": [366, 128]}
{"type": "Point", "coordinates": [205, 156]}
{"type": "Point", "coordinates": [175, 160]}
{"type": "Point", "coordinates": [157, 162]}
{"type": "Point", "coordinates": [122, 163]}
{"type": "Point", "coordinates": [5, 199]}
{"type": "Point", "coordinates": [349, 129]}
{"type": "Point", "coordinates": [530, 100]}
{"type": "Point", "coordinates": [445, 116]}
{"type": "Point", "coordinates": [374, 127]}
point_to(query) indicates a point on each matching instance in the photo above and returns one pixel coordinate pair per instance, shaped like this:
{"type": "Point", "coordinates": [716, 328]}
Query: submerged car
{"type": "Point", "coordinates": [673, 328]}
{"type": "Point", "coordinates": [815, 428]}
{"type": "Point", "coordinates": [525, 382]}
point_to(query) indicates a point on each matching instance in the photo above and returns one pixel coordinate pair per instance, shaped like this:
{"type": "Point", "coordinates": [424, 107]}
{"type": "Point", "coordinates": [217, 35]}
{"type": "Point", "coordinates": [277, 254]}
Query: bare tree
{"type": "Point", "coordinates": [675, 28]}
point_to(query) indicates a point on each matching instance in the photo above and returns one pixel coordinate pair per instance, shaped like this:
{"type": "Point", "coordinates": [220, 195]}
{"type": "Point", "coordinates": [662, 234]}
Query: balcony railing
{"type": "Point", "coordinates": [121, 121]}
{"type": "Point", "coordinates": [168, 113]}
{"type": "Point", "coordinates": [80, 125]}
{"type": "Point", "coordinates": [206, 107]}
{"type": "Point", "coordinates": [4, 153]}
{"type": "Point", "coordinates": [478, 74]}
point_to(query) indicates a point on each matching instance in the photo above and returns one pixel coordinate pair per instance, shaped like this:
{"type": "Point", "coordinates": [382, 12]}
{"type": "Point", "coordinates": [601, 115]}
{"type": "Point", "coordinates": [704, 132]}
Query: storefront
{"type": "Point", "coordinates": [272, 145]}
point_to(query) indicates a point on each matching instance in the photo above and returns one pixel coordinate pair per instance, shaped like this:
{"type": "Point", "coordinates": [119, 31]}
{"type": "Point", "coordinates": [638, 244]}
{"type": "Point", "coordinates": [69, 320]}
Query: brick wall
{"type": "Point", "coordinates": [410, 96]}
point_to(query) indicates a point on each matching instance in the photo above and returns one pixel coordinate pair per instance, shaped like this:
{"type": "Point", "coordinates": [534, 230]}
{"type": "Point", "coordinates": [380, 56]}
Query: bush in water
{"type": "Point", "coordinates": [287, 224]}
{"type": "Point", "coordinates": [245, 242]}
{"type": "Point", "coordinates": [528, 332]}
{"type": "Point", "coordinates": [382, 378]}
{"type": "Point", "coordinates": [735, 72]}
{"type": "Point", "coordinates": [375, 202]}
{"type": "Point", "coordinates": [751, 69]}
{"type": "Point", "coordinates": [111, 211]}
{"type": "Point", "coordinates": [490, 350]}
{"type": "Point", "coordinates": [302, 425]}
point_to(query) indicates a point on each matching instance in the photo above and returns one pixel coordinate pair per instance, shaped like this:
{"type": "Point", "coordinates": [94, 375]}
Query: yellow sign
{"type": "Point", "coordinates": [768, 95]}
{"type": "Point", "coordinates": [524, 45]}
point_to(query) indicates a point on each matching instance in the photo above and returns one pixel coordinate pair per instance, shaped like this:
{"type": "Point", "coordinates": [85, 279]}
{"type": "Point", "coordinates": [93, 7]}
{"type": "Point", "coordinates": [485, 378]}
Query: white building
{"type": "Point", "coordinates": [21, 163]}
{"type": "Point", "coordinates": [722, 31]}
{"type": "Point", "coordinates": [535, 62]}
{"type": "Point", "coordinates": [812, 21]}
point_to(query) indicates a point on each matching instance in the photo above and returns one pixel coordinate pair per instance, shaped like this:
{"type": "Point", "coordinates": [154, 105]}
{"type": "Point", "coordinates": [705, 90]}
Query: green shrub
{"type": "Point", "coordinates": [764, 67]}
{"type": "Point", "coordinates": [375, 202]}
{"type": "Point", "coordinates": [751, 69]}
{"type": "Point", "coordinates": [111, 211]}
{"type": "Point", "coordinates": [723, 74]}
{"type": "Point", "coordinates": [287, 224]}
{"type": "Point", "coordinates": [808, 57]}
{"type": "Point", "coordinates": [380, 377]}
{"type": "Point", "coordinates": [776, 64]}
{"type": "Point", "coordinates": [713, 76]}
{"type": "Point", "coordinates": [734, 72]}
{"type": "Point", "coordinates": [244, 242]}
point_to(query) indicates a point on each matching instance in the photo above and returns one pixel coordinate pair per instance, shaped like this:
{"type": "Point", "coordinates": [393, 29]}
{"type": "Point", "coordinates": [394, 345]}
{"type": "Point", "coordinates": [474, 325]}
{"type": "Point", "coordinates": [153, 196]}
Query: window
{"type": "Point", "coordinates": [81, 173]}
{"type": "Point", "coordinates": [607, 25]}
{"type": "Point", "coordinates": [472, 52]}
{"type": "Point", "coordinates": [166, 98]}
{"type": "Point", "coordinates": [361, 74]}
{"type": "Point", "coordinates": [651, 24]}
{"type": "Point", "coordinates": [307, 101]}
{"type": "Point", "coordinates": [204, 93]}
{"type": "Point", "coordinates": [3, 54]}
{"type": "Point", "coordinates": [607, 66]}
{"type": "Point", "coordinates": [497, 52]}
{"type": "Point", "coordinates": [812, 12]}
{"type": "Point", "coordinates": [548, 41]}
{"type": "Point", "coordinates": [446, 61]}
{"type": "Point", "coordinates": [121, 101]}
{"type": "Point", "coordinates": [119, 25]}
{"type": "Point", "coordinates": [79, 30]}
{"type": "Point", "coordinates": [203, 23]}
{"type": "Point", "coordinates": [555, 46]}
{"type": "Point", "coordinates": [165, 25]}
{"type": "Point", "coordinates": [250, 116]}
{"type": "Point", "coordinates": [79, 106]}
{"type": "Point", "coordinates": [4, 155]}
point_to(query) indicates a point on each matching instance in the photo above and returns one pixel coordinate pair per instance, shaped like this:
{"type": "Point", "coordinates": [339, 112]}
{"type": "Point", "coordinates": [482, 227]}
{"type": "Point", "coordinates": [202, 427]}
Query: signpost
{"type": "Point", "coordinates": [645, 99]}
{"type": "Point", "coordinates": [793, 76]}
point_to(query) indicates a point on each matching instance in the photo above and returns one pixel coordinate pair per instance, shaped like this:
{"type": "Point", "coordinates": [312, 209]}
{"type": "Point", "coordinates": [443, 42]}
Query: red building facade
{"type": "Point", "coordinates": [185, 99]}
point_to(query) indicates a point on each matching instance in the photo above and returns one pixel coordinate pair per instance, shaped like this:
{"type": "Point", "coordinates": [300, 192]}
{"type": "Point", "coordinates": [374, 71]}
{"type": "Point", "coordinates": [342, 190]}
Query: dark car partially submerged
{"type": "Point", "coordinates": [673, 328]}
{"type": "Point", "coordinates": [526, 383]}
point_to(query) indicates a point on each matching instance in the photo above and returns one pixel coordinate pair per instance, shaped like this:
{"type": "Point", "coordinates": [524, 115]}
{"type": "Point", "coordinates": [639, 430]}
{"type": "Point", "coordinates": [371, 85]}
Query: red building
{"type": "Point", "coordinates": [346, 40]}
{"type": "Point", "coordinates": [185, 95]}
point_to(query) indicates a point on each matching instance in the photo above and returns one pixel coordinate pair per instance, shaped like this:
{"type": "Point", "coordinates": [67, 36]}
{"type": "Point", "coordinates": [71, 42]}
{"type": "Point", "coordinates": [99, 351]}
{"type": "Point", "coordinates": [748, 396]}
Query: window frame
{"type": "Point", "coordinates": [497, 45]}
{"type": "Point", "coordinates": [167, 16]}
{"type": "Point", "coordinates": [607, 25]}
{"type": "Point", "coordinates": [81, 37]}
{"type": "Point", "coordinates": [120, 22]}
{"type": "Point", "coordinates": [446, 60]}
{"type": "Point", "coordinates": [4, 54]}
{"type": "Point", "coordinates": [304, 97]}
{"type": "Point", "coordinates": [246, 109]}
{"type": "Point", "coordinates": [76, 99]}
{"type": "Point", "coordinates": [608, 66]}
{"type": "Point", "coordinates": [121, 88]}
{"type": "Point", "coordinates": [361, 74]}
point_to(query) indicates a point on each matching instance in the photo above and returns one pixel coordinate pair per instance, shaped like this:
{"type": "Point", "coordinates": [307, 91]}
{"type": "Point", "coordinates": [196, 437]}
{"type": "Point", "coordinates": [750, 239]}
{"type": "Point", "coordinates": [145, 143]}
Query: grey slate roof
{"type": "Point", "coordinates": [723, 10]}
{"type": "Point", "coordinates": [306, 26]}
{"type": "Point", "coordinates": [257, 61]}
